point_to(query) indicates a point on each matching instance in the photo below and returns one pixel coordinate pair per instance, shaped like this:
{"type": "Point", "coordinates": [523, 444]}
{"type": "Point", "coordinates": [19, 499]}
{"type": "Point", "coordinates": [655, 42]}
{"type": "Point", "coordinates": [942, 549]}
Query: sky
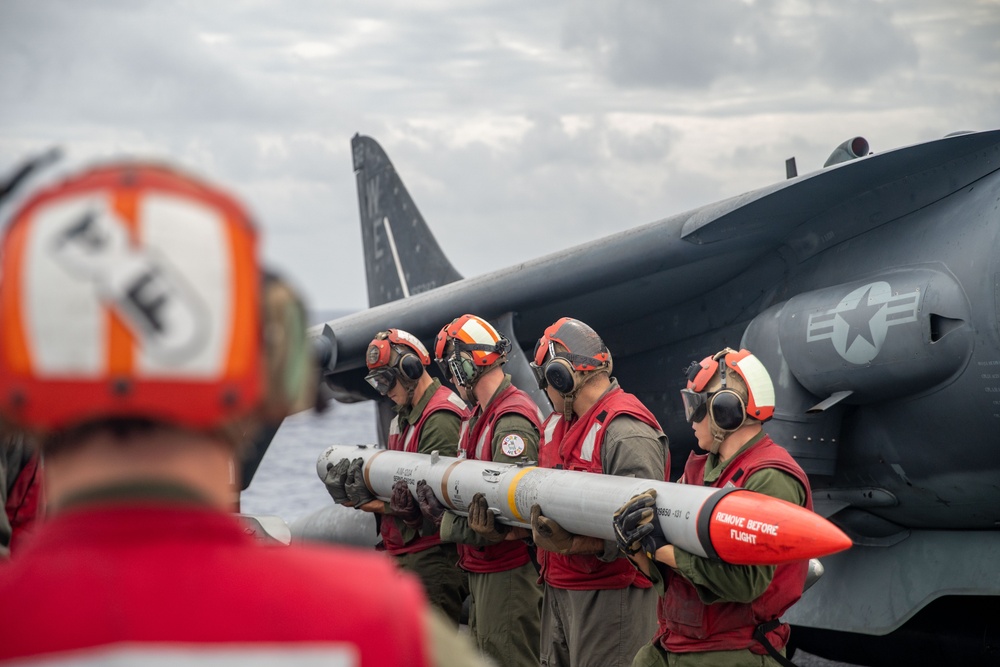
{"type": "Point", "coordinates": [533, 125]}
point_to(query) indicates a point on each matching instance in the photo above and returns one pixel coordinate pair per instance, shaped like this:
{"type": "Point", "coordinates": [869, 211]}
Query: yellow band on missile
{"type": "Point", "coordinates": [512, 491]}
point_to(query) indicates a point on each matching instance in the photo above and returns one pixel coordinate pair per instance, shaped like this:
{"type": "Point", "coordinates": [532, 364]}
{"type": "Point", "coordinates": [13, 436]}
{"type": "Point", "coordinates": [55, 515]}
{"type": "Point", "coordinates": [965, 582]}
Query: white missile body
{"type": "Point", "coordinates": [584, 503]}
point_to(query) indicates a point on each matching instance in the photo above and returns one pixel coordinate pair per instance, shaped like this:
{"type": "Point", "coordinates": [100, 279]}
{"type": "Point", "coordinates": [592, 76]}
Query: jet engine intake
{"type": "Point", "coordinates": [849, 150]}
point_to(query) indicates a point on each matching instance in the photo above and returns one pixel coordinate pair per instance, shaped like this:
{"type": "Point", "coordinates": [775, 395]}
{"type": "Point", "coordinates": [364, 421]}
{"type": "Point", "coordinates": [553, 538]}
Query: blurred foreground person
{"type": "Point", "coordinates": [715, 613]}
{"type": "Point", "coordinates": [428, 418]}
{"type": "Point", "coordinates": [143, 345]}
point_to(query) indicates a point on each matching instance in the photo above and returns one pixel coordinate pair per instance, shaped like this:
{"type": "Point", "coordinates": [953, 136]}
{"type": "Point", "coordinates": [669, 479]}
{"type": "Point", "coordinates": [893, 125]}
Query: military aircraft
{"type": "Point", "coordinates": [870, 289]}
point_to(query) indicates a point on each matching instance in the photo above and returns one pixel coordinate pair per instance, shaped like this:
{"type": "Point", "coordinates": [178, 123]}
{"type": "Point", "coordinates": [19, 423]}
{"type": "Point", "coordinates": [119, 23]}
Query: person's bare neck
{"type": "Point", "coordinates": [488, 385]}
{"type": "Point", "coordinates": [198, 462]}
{"type": "Point", "coordinates": [423, 384]}
{"type": "Point", "coordinates": [735, 440]}
{"type": "Point", "coordinates": [590, 393]}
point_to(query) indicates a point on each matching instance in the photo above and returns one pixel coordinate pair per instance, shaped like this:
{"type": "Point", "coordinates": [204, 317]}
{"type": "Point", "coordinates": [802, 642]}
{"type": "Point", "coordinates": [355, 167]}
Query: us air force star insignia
{"type": "Point", "coordinates": [858, 325]}
{"type": "Point", "coordinates": [512, 445]}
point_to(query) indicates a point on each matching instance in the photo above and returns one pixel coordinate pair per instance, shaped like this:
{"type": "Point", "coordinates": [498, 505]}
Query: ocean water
{"type": "Point", "coordinates": [286, 483]}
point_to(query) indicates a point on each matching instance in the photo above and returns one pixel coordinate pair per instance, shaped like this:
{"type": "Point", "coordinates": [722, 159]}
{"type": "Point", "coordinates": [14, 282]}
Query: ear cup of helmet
{"type": "Point", "coordinates": [468, 368]}
{"type": "Point", "coordinates": [560, 375]}
{"type": "Point", "coordinates": [410, 367]}
{"type": "Point", "coordinates": [461, 367]}
{"type": "Point", "coordinates": [727, 409]}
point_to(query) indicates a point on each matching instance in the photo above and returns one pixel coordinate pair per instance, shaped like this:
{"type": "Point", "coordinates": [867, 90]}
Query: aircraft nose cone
{"type": "Point", "coordinates": [748, 528]}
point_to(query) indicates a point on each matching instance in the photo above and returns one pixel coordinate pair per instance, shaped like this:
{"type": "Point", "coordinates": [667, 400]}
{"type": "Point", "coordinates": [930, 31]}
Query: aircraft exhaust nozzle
{"type": "Point", "coordinates": [324, 345]}
{"type": "Point", "coordinates": [849, 150]}
{"type": "Point", "coordinates": [733, 525]}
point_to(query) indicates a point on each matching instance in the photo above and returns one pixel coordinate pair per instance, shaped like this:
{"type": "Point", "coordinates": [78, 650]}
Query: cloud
{"type": "Point", "coordinates": [649, 43]}
{"type": "Point", "coordinates": [532, 125]}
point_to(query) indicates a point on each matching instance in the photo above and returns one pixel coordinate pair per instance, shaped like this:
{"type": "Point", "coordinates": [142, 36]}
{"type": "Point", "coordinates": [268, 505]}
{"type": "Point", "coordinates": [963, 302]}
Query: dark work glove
{"type": "Point", "coordinates": [482, 521]}
{"type": "Point", "coordinates": [336, 476]}
{"type": "Point", "coordinates": [404, 505]}
{"type": "Point", "coordinates": [429, 504]}
{"type": "Point", "coordinates": [548, 534]}
{"type": "Point", "coordinates": [636, 526]}
{"type": "Point", "coordinates": [355, 486]}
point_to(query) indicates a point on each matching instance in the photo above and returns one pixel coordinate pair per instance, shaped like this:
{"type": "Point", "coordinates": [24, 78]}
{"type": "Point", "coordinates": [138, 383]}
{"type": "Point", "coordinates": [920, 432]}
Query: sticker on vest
{"type": "Point", "coordinates": [512, 445]}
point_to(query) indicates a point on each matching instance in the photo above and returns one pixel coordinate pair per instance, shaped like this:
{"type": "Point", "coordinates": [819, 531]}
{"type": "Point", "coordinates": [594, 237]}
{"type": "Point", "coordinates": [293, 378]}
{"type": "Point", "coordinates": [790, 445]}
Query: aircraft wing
{"type": "Point", "coordinates": [619, 280]}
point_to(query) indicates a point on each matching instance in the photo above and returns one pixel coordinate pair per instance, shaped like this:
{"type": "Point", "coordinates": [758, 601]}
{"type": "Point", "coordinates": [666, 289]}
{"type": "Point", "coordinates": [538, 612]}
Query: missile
{"type": "Point", "coordinates": [733, 525]}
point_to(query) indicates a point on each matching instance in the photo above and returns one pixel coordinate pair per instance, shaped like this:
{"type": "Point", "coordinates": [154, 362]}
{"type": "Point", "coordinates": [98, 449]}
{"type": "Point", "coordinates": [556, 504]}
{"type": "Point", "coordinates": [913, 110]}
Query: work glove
{"type": "Point", "coordinates": [430, 506]}
{"type": "Point", "coordinates": [355, 486]}
{"type": "Point", "coordinates": [482, 521]}
{"type": "Point", "coordinates": [336, 476]}
{"type": "Point", "coordinates": [636, 527]}
{"type": "Point", "coordinates": [548, 534]}
{"type": "Point", "coordinates": [404, 505]}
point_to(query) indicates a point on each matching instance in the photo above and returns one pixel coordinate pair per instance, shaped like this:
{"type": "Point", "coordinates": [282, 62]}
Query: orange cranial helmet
{"type": "Point", "coordinates": [134, 291]}
{"type": "Point", "coordinates": [467, 347]}
{"type": "Point", "coordinates": [728, 387]}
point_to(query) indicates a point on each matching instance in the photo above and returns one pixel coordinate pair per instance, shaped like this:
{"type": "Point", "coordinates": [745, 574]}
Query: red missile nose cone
{"type": "Point", "coordinates": [748, 528]}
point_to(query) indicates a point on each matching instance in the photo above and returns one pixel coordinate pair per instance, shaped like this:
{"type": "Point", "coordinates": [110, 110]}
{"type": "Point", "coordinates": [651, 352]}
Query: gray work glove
{"type": "Point", "coordinates": [336, 476]}
{"type": "Point", "coordinates": [548, 534]}
{"type": "Point", "coordinates": [636, 527]}
{"type": "Point", "coordinates": [482, 521]}
{"type": "Point", "coordinates": [429, 504]}
{"type": "Point", "coordinates": [355, 486]}
{"type": "Point", "coordinates": [405, 506]}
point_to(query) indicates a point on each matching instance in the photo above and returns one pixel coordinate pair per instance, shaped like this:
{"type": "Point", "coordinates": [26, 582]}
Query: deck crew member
{"type": "Point", "coordinates": [504, 427]}
{"type": "Point", "coordinates": [143, 345]}
{"type": "Point", "coordinates": [597, 610]}
{"type": "Point", "coordinates": [714, 613]}
{"type": "Point", "coordinates": [428, 418]}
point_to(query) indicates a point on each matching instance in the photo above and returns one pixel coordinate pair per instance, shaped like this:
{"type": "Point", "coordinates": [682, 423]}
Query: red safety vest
{"type": "Point", "coordinates": [406, 440]}
{"type": "Point", "coordinates": [686, 623]}
{"type": "Point", "coordinates": [25, 503]}
{"type": "Point", "coordinates": [579, 448]}
{"type": "Point", "coordinates": [477, 443]}
{"type": "Point", "coordinates": [178, 581]}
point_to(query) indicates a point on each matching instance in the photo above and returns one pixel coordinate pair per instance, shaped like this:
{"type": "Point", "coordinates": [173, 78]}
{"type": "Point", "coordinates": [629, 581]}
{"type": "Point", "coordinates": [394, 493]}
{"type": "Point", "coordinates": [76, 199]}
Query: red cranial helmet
{"type": "Point", "coordinates": [566, 353]}
{"type": "Point", "coordinates": [395, 355]}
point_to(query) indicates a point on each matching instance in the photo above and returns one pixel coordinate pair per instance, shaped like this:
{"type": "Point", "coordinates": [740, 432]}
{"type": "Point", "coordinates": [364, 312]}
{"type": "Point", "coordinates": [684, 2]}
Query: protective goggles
{"type": "Point", "coordinates": [695, 405]}
{"type": "Point", "coordinates": [382, 379]}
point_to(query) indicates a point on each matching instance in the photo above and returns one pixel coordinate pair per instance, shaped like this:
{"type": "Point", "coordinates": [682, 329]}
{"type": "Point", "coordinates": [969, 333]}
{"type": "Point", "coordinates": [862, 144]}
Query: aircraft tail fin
{"type": "Point", "coordinates": [402, 257]}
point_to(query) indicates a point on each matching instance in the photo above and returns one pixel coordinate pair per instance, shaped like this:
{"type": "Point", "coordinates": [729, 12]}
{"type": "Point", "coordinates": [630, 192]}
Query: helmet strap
{"type": "Point", "coordinates": [568, 407]}
{"type": "Point", "coordinates": [409, 385]}
{"type": "Point", "coordinates": [582, 379]}
{"type": "Point", "coordinates": [718, 435]}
